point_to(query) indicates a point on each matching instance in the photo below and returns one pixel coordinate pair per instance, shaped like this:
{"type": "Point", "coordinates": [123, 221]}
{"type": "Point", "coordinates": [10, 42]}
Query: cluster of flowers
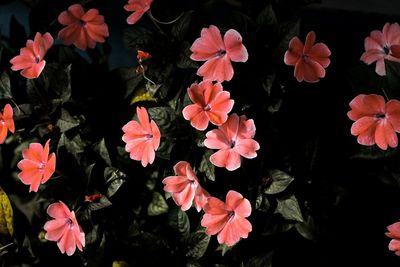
{"type": "Point", "coordinates": [375, 121]}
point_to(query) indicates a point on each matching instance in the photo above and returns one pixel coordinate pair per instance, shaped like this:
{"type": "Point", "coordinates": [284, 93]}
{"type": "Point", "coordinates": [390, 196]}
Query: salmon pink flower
{"type": "Point", "coordinates": [139, 7]}
{"type": "Point", "coordinates": [234, 138]}
{"type": "Point", "coordinates": [82, 29]}
{"type": "Point", "coordinates": [218, 53]}
{"type": "Point", "coordinates": [6, 122]}
{"type": "Point", "coordinates": [142, 138]}
{"type": "Point", "coordinates": [228, 219]}
{"type": "Point", "coordinates": [185, 187]}
{"type": "Point", "coordinates": [64, 229]}
{"type": "Point", "coordinates": [375, 121]}
{"type": "Point", "coordinates": [394, 233]}
{"type": "Point", "coordinates": [310, 60]}
{"type": "Point", "coordinates": [31, 58]}
{"type": "Point", "coordinates": [37, 165]}
{"type": "Point", "coordinates": [211, 103]}
{"type": "Point", "coordinates": [382, 45]}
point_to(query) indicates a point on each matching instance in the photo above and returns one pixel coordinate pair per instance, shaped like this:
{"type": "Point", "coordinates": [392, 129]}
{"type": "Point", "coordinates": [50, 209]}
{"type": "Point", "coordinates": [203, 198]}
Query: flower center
{"type": "Point", "coordinates": [220, 53]}
{"type": "Point", "coordinates": [37, 60]}
{"type": "Point", "coordinates": [386, 50]}
{"type": "Point", "coordinates": [305, 58]}
{"type": "Point", "coordinates": [233, 143]}
{"type": "Point", "coordinates": [380, 115]}
{"type": "Point", "coordinates": [2, 122]}
{"type": "Point", "coordinates": [148, 136]}
{"type": "Point", "coordinates": [82, 23]}
{"type": "Point", "coordinates": [41, 167]}
{"type": "Point", "coordinates": [231, 213]}
{"type": "Point", "coordinates": [207, 108]}
{"type": "Point", "coordinates": [69, 222]}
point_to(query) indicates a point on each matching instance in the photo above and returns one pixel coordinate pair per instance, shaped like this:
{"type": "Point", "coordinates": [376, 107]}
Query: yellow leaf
{"type": "Point", "coordinates": [6, 214]}
{"type": "Point", "coordinates": [142, 95]}
{"type": "Point", "coordinates": [119, 264]}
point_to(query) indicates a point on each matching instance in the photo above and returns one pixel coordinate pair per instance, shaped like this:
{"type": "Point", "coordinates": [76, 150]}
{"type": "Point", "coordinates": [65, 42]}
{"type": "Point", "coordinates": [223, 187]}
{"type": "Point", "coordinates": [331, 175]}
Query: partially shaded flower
{"type": "Point", "coordinates": [218, 53]}
{"type": "Point", "coordinates": [138, 7]}
{"type": "Point", "coordinates": [310, 59]}
{"type": "Point", "coordinates": [142, 138]}
{"type": "Point", "coordinates": [185, 188]}
{"type": "Point", "coordinates": [382, 45]}
{"type": "Point", "coordinates": [142, 57]}
{"type": "Point", "coordinates": [394, 233]}
{"type": "Point", "coordinates": [37, 166]}
{"type": "Point", "coordinates": [228, 219]}
{"type": "Point", "coordinates": [234, 138]}
{"type": "Point", "coordinates": [31, 58]}
{"type": "Point", "coordinates": [6, 122]}
{"type": "Point", "coordinates": [375, 121]}
{"type": "Point", "coordinates": [82, 29]}
{"type": "Point", "coordinates": [64, 229]}
{"type": "Point", "coordinates": [93, 198]}
{"type": "Point", "coordinates": [211, 104]}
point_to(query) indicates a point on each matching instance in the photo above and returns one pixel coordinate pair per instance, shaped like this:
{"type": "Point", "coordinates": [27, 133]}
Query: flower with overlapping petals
{"type": "Point", "coordinates": [37, 166]}
{"type": "Point", "coordinates": [228, 219]}
{"type": "Point", "coordinates": [64, 229]}
{"type": "Point", "coordinates": [82, 29]}
{"type": "Point", "coordinates": [6, 122]}
{"type": "Point", "coordinates": [31, 58]}
{"type": "Point", "coordinates": [310, 59]}
{"type": "Point", "coordinates": [142, 138]}
{"type": "Point", "coordinates": [211, 104]}
{"type": "Point", "coordinates": [218, 53]}
{"type": "Point", "coordinates": [234, 138]}
{"type": "Point", "coordinates": [376, 122]}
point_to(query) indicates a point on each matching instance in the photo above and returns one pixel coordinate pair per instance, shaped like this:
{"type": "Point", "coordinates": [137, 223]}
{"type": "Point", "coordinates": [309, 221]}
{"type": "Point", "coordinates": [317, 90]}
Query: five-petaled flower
{"type": "Point", "coordinates": [31, 58]}
{"type": "Point", "coordinates": [142, 138]}
{"type": "Point", "coordinates": [185, 187]}
{"type": "Point", "coordinates": [234, 138]}
{"type": "Point", "coordinates": [382, 45]}
{"type": "Point", "coordinates": [82, 29]}
{"type": "Point", "coordinates": [211, 103]}
{"type": "Point", "coordinates": [228, 219]}
{"type": "Point", "coordinates": [37, 166]}
{"type": "Point", "coordinates": [6, 122]}
{"type": "Point", "coordinates": [64, 229]}
{"type": "Point", "coordinates": [218, 53]}
{"type": "Point", "coordinates": [394, 233]}
{"type": "Point", "coordinates": [139, 7]}
{"type": "Point", "coordinates": [375, 121]}
{"type": "Point", "coordinates": [310, 59]}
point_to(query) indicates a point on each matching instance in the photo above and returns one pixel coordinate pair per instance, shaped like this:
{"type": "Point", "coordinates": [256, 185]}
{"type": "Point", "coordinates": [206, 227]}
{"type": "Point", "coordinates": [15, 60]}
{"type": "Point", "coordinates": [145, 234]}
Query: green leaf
{"type": "Point", "coordinates": [307, 229]}
{"type": "Point", "coordinates": [6, 215]}
{"type": "Point", "coordinates": [373, 153]}
{"type": "Point", "coordinates": [75, 146]}
{"type": "Point", "coordinates": [289, 209]}
{"type": "Point", "coordinates": [137, 38]}
{"type": "Point", "coordinates": [206, 166]}
{"type": "Point", "coordinates": [157, 206]}
{"type": "Point", "coordinates": [165, 118]}
{"type": "Point", "coordinates": [128, 79]}
{"type": "Point", "coordinates": [197, 244]}
{"type": "Point", "coordinates": [184, 60]}
{"type": "Point", "coordinates": [264, 260]}
{"type": "Point", "coordinates": [276, 225]}
{"type": "Point", "coordinates": [114, 180]}
{"type": "Point", "coordinates": [5, 86]}
{"type": "Point", "coordinates": [66, 121]}
{"type": "Point", "coordinates": [181, 27]}
{"type": "Point", "coordinates": [224, 248]}
{"type": "Point", "coordinates": [280, 181]}
{"type": "Point", "coordinates": [287, 31]}
{"type": "Point", "coordinates": [165, 149]}
{"type": "Point", "coordinates": [61, 81]}
{"type": "Point", "coordinates": [179, 221]}
{"type": "Point", "coordinates": [101, 149]}
{"type": "Point", "coordinates": [267, 16]}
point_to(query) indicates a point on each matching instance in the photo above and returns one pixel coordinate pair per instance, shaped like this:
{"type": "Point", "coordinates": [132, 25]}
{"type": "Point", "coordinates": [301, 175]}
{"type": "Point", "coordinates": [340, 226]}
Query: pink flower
{"type": "Point", "coordinates": [139, 7]}
{"type": "Point", "coordinates": [218, 53]}
{"type": "Point", "coordinates": [228, 219]}
{"type": "Point", "coordinates": [185, 187]}
{"type": "Point", "coordinates": [394, 233]}
{"type": "Point", "coordinates": [82, 29]}
{"type": "Point", "coordinates": [142, 138]}
{"type": "Point", "coordinates": [375, 121]}
{"type": "Point", "coordinates": [37, 166]}
{"type": "Point", "coordinates": [234, 138]}
{"type": "Point", "coordinates": [64, 229]}
{"type": "Point", "coordinates": [310, 60]}
{"type": "Point", "coordinates": [31, 59]}
{"type": "Point", "coordinates": [380, 46]}
{"type": "Point", "coordinates": [6, 122]}
{"type": "Point", "coordinates": [211, 103]}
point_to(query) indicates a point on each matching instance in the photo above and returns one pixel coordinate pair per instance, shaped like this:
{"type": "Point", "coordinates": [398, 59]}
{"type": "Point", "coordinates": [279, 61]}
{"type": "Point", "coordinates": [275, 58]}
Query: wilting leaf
{"type": "Point", "coordinates": [120, 264]}
{"type": "Point", "coordinates": [180, 28]}
{"type": "Point", "coordinates": [179, 221]}
{"type": "Point", "coordinates": [206, 166]}
{"type": "Point", "coordinates": [101, 149]}
{"type": "Point", "coordinates": [157, 206]}
{"type": "Point", "coordinates": [114, 180]}
{"type": "Point", "coordinates": [140, 95]}
{"type": "Point", "coordinates": [66, 121]}
{"type": "Point", "coordinates": [6, 215]}
{"type": "Point", "coordinates": [264, 260]}
{"type": "Point", "coordinates": [280, 181]}
{"type": "Point", "coordinates": [197, 244]}
{"type": "Point", "coordinates": [5, 86]}
{"type": "Point", "coordinates": [289, 209]}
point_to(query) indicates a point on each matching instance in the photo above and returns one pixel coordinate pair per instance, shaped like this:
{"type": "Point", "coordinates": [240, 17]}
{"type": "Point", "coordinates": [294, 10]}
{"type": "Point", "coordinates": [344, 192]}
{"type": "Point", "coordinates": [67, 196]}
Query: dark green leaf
{"type": "Point", "coordinates": [75, 146]}
{"type": "Point", "coordinates": [137, 38]}
{"type": "Point", "coordinates": [206, 166]}
{"type": "Point", "coordinates": [114, 180]}
{"type": "Point", "coordinates": [165, 149]}
{"type": "Point", "coordinates": [192, 263]}
{"type": "Point", "coordinates": [101, 204]}
{"type": "Point", "coordinates": [267, 17]}
{"type": "Point", "coordinates": [289, 209]}
{"type": "Point", "coordinates": [280, 181]}
{"type": "Point", "coordinates": [197, 244]}
{"type": "Point", "coordinates": [373, 153]}
{"type": "Point", "coordinates": [165, 118]}
{"type": "Point", "coordinates": [262, 203]}
{"type": "Point", "coordinates": [61, 81]}
{"type": "Point", "coordinates": [184, 61]}
{"type": "Point", "coordinates": [101, 149]}
{"type": "Point", "coordinates": [66, 121]}
{"type": "Point", "coordinates": [264, 260]}
{"type": "Point", "coordinates": [224, 248]}
{"type": "Point", "coordinates": [181, 27]}
{"type": "Point", "coordinates": [287, 31]}
{"type": "Point", "coordinates": [393, 79]}
{"type": "Point", "coordinates": [128, 79]}
{"type": "Point", "coordinates": [157, 206]}
{"type": "Point", "coordinates": [307, 228]}
{"type": "Point", "coordinates": [5, 86]}
{"type": "Point", "coordinates": [179, 221]}
{"type": "Point", "coordinates": [276, 225]}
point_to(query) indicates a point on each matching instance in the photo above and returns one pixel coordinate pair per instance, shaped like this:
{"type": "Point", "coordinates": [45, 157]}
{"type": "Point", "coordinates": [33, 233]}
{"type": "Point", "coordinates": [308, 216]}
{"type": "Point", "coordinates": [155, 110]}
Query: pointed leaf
{"type": "Point", "coordinates": [157, 206]}
{"type": "Point", "coordinates": [289, 209]}
{"type": "Point", "coordinates": [280, 181]}
{"type": "Point", "coordinates": [206, 166]}
{"type": "Point", "coordinates": [6, 215]}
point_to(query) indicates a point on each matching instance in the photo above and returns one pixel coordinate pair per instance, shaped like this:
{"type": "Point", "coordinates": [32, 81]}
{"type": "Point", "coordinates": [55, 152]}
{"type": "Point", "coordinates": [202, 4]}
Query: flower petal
{"type": "Point", "coordinates": [216, 69]}
{"type": "Point", "coordinates": [235, 49]}
{"type": "Point", "coordinates": [207, 45]}
{"type": "Point", "coordinates": [294, 52]}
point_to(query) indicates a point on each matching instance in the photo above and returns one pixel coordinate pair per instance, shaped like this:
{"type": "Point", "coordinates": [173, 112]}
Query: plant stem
{"type": "Point", "coordinates": [164, 22]}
